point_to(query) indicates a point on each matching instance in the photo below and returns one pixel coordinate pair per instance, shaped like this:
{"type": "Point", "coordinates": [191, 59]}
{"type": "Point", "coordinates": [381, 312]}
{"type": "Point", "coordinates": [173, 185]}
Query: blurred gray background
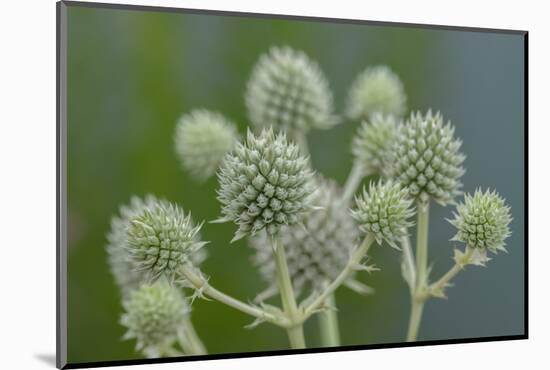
{"type": "Point", "coordinates": [132, 73]}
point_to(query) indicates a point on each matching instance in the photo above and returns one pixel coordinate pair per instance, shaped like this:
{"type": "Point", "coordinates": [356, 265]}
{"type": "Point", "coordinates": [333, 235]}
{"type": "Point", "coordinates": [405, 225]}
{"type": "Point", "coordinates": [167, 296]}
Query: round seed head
{"type": "Point", "coordinates": [316, 251]}
{"type": "Point", "coordinates": [152, 315]}
{"type": "Point", "coordinates": [126, 274]}
{"type": "Point", "coordinates": [202, 139]}
{"type": "Point", "coordinates": [288, 91]}
{"type": "Point", "coordinates": [376, 89]}
{"type": "Point", "coordinates": [264, 184]}
{"type": "Point", "coordinates": [384, 210]}
{"type": "Point", "coordinates": [482, 221]}
{"type": "Point", "coordinates": [426, 158]}
{"type": "Point", "coordinates": [161, 239]}
{"type": "Point", "coordinates": [373, 141]}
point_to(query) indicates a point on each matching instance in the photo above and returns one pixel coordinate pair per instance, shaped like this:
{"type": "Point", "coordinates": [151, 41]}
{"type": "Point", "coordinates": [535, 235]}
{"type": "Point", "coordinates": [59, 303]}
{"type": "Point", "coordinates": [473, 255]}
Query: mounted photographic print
{"type": "Point", "coordinates": [236, 184]}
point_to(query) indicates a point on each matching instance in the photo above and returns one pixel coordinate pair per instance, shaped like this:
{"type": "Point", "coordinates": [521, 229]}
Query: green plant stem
{"type": "Point", "coordinates": [295, 330]}
{"type": "Point", "coordinates": [189, 339]}
{"type": "Point", "coordinates": [353, 264]}
{"type": "Point", "coordinates": [195, 278]}
{"type": "Point", "coordinates": [353, 181]}
{"type": "Point", "coordinates": [417, 303]}
{"type": "Point", "coordinates": [328, 324]}
{"type": "Point", "coordinates": [301, 140]}
{"type": "Point", "coordinates": [408, 262]}
{"type": "Point", "coordinates": [449, 275]}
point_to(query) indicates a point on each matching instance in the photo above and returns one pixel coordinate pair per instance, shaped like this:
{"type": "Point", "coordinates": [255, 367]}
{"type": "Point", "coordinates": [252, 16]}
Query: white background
{"type": "Point", "coordinates": [27, 182]}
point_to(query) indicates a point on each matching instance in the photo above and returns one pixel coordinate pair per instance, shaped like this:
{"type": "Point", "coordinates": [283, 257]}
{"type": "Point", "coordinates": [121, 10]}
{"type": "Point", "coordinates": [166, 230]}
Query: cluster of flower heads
{"type": "Point", "coordinates": [267, 188]}
{"type": "Point", "coordinates": [288, 91]}
{"type": "Point", "coordinates": [318, 249]}
{"type": "Point", "coordinates": [265, 183]}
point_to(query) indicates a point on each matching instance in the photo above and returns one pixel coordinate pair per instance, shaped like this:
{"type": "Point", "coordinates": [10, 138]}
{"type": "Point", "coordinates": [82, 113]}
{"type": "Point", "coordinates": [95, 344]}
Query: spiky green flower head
{"type": "Point", "coordinates": [426, 159]}
{"type": "Point", "coordinates": [376, 90]}
{"type": "Point", "coordinates": [373, 140]}
{"type": "Point", "coordinates": [288, 91]}
{"type": "Point", "coordinates": [482, 221]}
{"type": "Point", "coordinates": [126, 274]}
{"type": "Point", "coordinates": [384, 210]}
{"type": "Point", "coordinates": [202, 139]}
{"type": "Point", "coordinates": [265, 183]}
{"type": "Point", "coordinates": [316, 251]}
{"type": "Point", "coordinates": [153, 314]}
{"type": "Point", "coordinates": [161, 239]}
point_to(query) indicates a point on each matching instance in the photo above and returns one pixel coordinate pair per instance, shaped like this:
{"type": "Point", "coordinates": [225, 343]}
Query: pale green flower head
{"type": "Point", "coordinates": [161, 239]}
{"type": "Point", "coordinates": [317, 250]}
{"type": "Point", "coordinates": [153, 314]}
{"type": "Point", "coordinates": [482, 221]}
{"type": "Point", "coordinates": [426, 159]}
{"type": "Point", "coordinates": [376, 90]}
{"type": "Point", "coordinates": [288, 91]}
{"type": "Point", "coordinates": [384, 210]}
{"type": "Point", "coordinates": [202, 139]}
{"type": "Point", "coordinates": [264, 184]}
{"type": "Point", "coordinates": [373, 140]}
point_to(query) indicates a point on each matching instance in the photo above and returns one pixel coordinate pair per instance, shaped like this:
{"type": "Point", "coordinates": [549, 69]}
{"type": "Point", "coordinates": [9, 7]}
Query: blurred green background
{"type": "Point", "coordinates": [132, 73]}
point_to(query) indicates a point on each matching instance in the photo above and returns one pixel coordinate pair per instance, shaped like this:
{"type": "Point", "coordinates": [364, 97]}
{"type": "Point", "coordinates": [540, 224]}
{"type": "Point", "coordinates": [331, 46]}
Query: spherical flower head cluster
{"type": "Point", "coordinates": [152, 315]}
{"type": "Point", "coordinates": [482, 221]}
{"type": "Point", "coordinates": [426, 159]}
{"type": "Point", "coordinates": [161, 239]}
{"type": "Point", "coordinates": [202, 139]}
{"type": "Point", "coordinates": [316, 251]}
{"type": "Point", "coordinates": [373, 141]}
{"type": "Point", "coordinates": [376, 90]}
{"type": "Point", "coordinates": [288, 91]}
{"type": "Point", "coordinates": [265, 183]}
{"type": "Point", "coordinates": [384, 211]}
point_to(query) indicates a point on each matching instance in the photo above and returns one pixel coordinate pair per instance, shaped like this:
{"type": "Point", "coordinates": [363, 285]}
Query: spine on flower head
{"type": "Point", "coordinates": [288, 91]}
{"type": "Point", "coordinates": [264, 184]}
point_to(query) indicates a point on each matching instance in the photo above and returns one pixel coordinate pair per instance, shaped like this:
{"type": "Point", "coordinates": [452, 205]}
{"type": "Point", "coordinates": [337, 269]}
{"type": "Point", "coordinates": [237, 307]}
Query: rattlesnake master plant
{"type": "Point", "coordinates": [317, 250]}
{"type": "Point", "coordinates": [161, 239]}
{"type": "Point", "coordinates": [384, 211]}
{"type": "Point", "coordinates": [426, 158]}
{"type": "Point", "coordinates": [265, 183]}
{"type": "Point", "coordinates": [153, 314]}
{"type": "Point", "coordinates": [482, 221]}
{"type": "Point", "coordinates": [202, 139]}
{"type": "Point", "coordinates": [376, 90]}
{"type": "Point", "coordinates": [306, 242]}
{"type": "Point", "coordinates": [373, 140]}
{"type": "Point", "coordinates": [288, 91]}
{"type": "Point", "coordinates": [126, 273]}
